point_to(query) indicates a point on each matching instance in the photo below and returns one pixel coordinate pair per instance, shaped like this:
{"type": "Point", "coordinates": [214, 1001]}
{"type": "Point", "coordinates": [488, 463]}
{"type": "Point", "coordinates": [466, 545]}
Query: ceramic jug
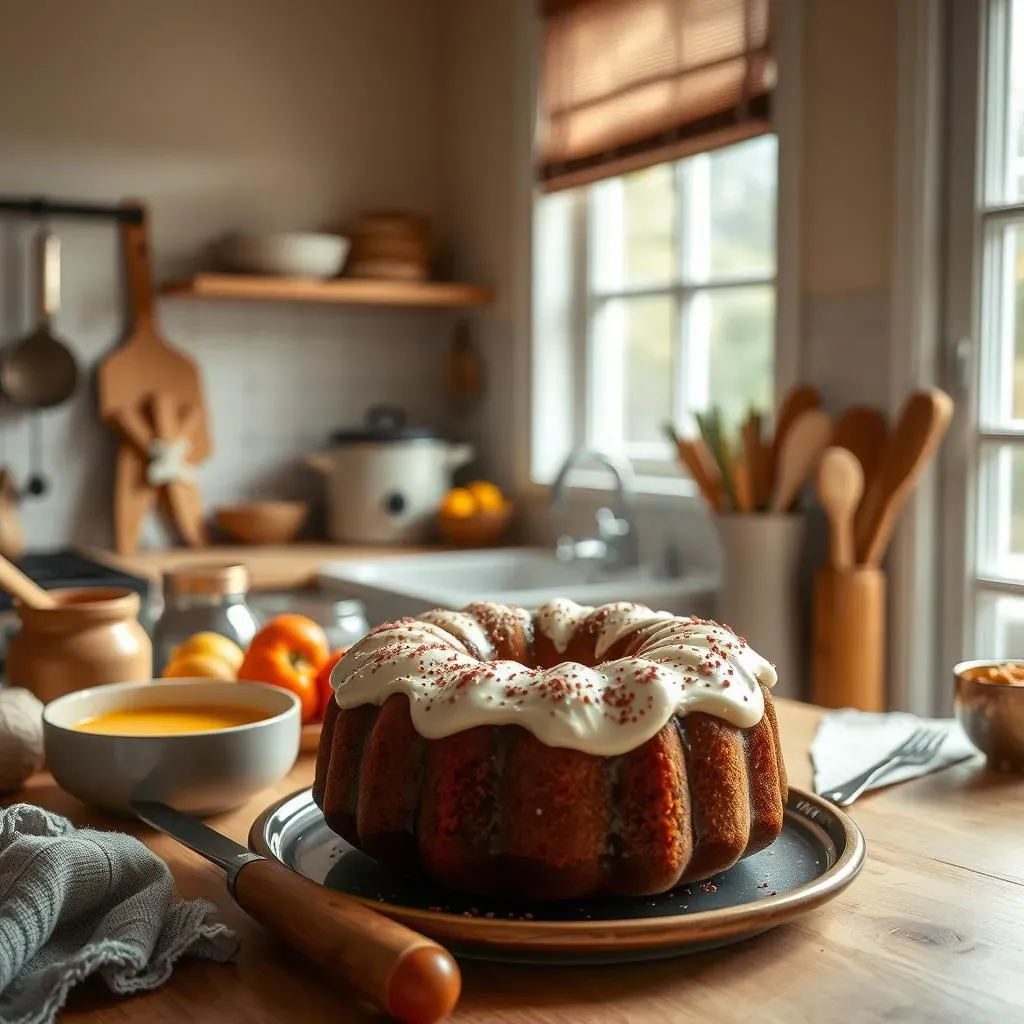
{"type": "Point", "coordinates": [91, 637]}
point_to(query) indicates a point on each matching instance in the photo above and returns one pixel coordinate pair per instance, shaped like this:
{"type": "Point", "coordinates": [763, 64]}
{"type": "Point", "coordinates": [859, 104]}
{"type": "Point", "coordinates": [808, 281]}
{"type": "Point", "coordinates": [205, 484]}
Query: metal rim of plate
{"type": "Point", "coordinates": [275, 834]}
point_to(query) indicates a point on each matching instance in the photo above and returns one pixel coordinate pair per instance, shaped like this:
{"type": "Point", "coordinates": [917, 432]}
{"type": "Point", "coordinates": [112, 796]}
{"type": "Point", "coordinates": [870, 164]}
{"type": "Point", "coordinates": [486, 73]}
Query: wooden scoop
{"type": "Point", "coordinates": [19, 586]}
{"type": "Point", "coordinates": [804, 442]}
{"type": "Point", "coordinates": [840, 484]}
{"type": "Point", "coordinates": [922, 425]}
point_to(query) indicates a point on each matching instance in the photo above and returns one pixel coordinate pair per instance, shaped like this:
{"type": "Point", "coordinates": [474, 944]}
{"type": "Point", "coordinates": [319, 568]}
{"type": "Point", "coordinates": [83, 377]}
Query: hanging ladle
{"type": "Point", "coordinates": [40, 371]}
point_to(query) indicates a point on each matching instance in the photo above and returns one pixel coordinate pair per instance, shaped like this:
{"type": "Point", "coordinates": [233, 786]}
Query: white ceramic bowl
{"type": "Point", "coordinates": [288, 255]}
{"type": "Point", "coordinates": [197, 772]}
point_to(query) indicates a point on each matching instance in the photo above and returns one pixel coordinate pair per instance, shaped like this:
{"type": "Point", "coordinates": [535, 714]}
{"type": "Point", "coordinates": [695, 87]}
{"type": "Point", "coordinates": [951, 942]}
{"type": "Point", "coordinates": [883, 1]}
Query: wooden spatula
{"type": "Point", "coordinates": [797, 401]}
{"type": "Point", "coordinates": [805, 440]}
{"type": "Point", "coordinates": [922, 425]}
{"type": "Point", "coordinates": [862, 430]}
{"type": "Point", "coordinates": [840, 483]}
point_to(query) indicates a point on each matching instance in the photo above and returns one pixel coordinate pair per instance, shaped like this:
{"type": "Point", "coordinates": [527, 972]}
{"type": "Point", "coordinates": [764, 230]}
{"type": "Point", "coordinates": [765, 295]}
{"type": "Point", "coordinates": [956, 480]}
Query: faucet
{"type": "Point", "coordinates": [615, 546]}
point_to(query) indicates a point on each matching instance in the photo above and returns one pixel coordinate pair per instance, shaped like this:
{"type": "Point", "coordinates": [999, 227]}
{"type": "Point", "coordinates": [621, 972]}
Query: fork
{"type": "Point", "coordinates": [919, 748]}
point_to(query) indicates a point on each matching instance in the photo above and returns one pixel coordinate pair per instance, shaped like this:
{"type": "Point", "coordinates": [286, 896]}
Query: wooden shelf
{"type": "Point", "coordinates": [345, 291]}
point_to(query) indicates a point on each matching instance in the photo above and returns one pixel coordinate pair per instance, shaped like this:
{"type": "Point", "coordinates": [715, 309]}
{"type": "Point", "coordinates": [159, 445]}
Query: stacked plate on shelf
{"type": "Point", "coordinates": [391, 245]}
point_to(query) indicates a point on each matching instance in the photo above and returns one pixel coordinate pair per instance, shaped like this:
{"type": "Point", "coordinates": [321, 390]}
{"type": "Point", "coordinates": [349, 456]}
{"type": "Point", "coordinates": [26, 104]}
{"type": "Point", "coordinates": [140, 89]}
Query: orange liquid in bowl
{"type": "Point", "coordinates": [168, 721]}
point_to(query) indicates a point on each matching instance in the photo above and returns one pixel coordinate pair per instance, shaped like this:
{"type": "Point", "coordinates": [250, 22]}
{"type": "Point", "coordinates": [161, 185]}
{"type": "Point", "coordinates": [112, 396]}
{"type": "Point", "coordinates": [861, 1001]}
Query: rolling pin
{"type": "Point", "coordinates": [848, 639]}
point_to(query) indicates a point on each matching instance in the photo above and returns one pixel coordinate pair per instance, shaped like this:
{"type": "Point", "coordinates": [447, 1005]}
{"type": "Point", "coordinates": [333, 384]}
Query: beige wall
{"type": "Point", "coordinates": [849, 134]}
{"type": "Point", "coordinates": [252, 114]}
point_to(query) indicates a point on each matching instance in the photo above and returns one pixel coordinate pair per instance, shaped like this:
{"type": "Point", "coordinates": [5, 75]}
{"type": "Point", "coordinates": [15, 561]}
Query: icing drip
{"type": "Point", "coordinates": [465, 627]}
{"type": "Point", "coordinates": [683, 665]}
{"type": "Point", "coordinates": [558, 620]}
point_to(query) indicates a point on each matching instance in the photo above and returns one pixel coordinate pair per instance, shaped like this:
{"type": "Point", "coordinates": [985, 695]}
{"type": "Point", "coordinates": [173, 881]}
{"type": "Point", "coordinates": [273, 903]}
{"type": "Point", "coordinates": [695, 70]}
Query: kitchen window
{"type": "Point", "coordinates": [655, 298]}
{"type": "Point", "coordinates": [985, 317]}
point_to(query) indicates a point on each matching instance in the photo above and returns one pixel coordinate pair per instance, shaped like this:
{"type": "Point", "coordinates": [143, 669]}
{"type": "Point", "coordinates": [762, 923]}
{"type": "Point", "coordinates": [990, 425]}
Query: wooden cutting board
{"type": "Point", "coordinates": [142, 368]}
{"type": "Point", "coordinates": [145, 364]}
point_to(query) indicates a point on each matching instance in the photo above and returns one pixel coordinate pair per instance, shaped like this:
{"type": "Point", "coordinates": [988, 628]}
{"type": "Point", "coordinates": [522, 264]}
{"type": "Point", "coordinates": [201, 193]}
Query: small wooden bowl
{"type": "Point", "coordinates": [480, 530]}
{"type": "Point", "coordinates": [262, 522]}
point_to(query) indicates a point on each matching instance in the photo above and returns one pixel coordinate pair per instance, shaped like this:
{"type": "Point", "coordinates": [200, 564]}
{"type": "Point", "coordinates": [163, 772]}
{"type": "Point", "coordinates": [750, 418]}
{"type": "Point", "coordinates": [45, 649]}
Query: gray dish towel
{"type": "Point", "coordinates": [77, 901]}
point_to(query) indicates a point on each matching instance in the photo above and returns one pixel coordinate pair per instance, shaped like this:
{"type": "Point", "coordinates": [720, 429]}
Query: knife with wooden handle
{"type": "Point", "coordinates": [406, 974]}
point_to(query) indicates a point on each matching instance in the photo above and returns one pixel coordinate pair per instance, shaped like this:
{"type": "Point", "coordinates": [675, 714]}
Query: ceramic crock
{"type": "Point", "coordinates": [385, 480]}
{"type": "Point", "coordinates": [91, 637]}
{"type": "Point", "coordinates": [760, 589]}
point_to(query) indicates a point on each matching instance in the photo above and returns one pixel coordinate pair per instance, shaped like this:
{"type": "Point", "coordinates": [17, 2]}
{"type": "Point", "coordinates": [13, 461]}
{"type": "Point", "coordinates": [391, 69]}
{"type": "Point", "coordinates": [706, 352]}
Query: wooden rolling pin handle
{"type": "Point", "coordinates": [408, 975]}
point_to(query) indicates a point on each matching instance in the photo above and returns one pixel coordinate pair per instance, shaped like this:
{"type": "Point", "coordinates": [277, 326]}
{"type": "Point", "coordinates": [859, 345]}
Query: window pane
{"type": "Point", "coordinates": [1010, 153]}
{"type": "Point", "coordinates": [1001, 512]}
{"type": "Point", "coordinates": [633, 230]}
{"type": "Point", "coordinates": [730, 350]}
{"type": "Point", "coordinates": [730, 211]}
{"type": "Point", "coordinates": [1000, 628]}
{"type": "Point", "coordinates": [1002, 383]}
{"type": "Point", "coordinates": [633, 358]}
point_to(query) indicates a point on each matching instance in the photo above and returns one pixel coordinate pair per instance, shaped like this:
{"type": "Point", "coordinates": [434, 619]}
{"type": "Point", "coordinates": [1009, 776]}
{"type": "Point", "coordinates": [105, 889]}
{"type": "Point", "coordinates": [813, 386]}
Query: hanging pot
{"type": "Point", "coordinates": [385, 480]}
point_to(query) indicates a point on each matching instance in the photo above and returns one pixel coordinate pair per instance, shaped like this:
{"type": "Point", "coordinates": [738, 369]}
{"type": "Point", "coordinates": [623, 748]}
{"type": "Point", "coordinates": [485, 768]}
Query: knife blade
{"type": "Point", "coordinates": [191, 832]}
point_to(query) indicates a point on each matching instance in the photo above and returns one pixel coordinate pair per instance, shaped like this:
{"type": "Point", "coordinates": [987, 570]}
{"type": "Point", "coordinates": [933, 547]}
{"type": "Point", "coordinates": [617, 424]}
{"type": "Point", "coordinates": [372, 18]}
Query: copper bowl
{"type": "Point", "coordinates": [484, 529]}
{"type": "Point", "coordinates": [991, 713]}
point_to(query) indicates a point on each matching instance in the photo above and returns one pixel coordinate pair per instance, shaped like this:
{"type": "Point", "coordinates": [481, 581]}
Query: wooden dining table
{"type": "Point", "coordinates": [931, 930]}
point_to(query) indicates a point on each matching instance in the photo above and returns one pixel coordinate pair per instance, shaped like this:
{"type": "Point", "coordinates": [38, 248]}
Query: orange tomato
{"type": "Point", "coordinates": [323, 679]}
{"type": "Point", "coordinates": [288, 652]}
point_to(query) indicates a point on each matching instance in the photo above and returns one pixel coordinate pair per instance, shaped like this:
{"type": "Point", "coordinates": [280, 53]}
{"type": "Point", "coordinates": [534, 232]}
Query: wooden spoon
{"type": "Point", "coordinates": [797, 401]}
{"type": "Point", "coordinates": [752, 459]}
{"type": "Point", "coordinates": [694, 456]}
{"type": "Point", "coordinates": [922, 425]}
{"type": "Point", "coordinates": [840, 484]}
{"type": "Point", "coordinates": [862, 430]}
{"type": "Point", "coordinates": [805, 440]}
{"type": "Point", "coordinates": [19, 586]}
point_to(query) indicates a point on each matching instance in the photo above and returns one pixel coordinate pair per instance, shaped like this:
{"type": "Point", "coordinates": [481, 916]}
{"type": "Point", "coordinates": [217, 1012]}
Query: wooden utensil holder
{"type": "Point", "coordinates": [848, 639]}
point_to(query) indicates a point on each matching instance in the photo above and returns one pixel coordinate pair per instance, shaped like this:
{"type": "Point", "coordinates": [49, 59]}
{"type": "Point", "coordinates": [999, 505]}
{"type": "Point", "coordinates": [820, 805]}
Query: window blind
{"type": "Point", "coordinates": [630, 83]}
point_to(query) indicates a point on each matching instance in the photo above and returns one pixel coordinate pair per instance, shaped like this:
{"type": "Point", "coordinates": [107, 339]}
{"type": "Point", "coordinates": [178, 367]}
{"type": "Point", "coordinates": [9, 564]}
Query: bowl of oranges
{"type": "Point", "coordinates": [474, 516]}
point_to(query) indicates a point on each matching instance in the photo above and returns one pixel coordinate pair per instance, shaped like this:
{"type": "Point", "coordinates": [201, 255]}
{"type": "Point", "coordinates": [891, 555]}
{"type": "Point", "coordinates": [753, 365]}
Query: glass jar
{"type": "Point", "coordinates": [199, 599]}
{"type": "Point", "coordinates": [343, 620]}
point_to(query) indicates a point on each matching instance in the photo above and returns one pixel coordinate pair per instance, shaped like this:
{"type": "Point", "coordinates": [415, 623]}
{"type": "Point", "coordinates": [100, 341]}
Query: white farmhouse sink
{"type": "Point", "coordinates": [393, 586]}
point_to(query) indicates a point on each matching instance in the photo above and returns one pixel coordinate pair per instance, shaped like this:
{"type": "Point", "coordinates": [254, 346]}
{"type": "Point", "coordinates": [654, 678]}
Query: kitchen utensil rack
{"type": "Point", "coordinates": [41, 208]}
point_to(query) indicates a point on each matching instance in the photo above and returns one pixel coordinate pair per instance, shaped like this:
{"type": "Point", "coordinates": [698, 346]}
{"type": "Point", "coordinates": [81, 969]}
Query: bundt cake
{"type": "Point", "coordinates": [551, 754]}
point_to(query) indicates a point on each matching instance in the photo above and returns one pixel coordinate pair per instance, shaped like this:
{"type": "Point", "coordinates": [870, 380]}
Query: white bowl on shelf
{"type": "Point", "coordinates": [285, 255]}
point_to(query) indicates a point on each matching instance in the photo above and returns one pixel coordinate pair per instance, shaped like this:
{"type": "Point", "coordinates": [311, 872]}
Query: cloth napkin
{"type": "Point", "coordinates": [848, 742]}
{"type": "Point", "coordinates": [74, 902]}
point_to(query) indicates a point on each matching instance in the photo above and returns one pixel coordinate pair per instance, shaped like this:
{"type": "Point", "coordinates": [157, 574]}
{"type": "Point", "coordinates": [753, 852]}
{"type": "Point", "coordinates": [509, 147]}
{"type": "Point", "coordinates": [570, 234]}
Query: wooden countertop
{"type": "Point", "coordinates": [285, 567]}
{"type": "Point", "coordinates": [932, 930]}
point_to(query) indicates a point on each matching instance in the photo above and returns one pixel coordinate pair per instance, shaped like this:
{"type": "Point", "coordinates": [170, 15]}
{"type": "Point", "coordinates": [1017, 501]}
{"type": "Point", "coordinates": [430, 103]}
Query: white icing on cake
{"type": "Point", "coordinates": [683, 665]}
{"type": "Point", "coordinates": [465, 627]}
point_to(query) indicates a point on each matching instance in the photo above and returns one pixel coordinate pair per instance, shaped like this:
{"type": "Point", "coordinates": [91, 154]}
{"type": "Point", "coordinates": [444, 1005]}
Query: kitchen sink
{"type": "Point", "coordinates": [394, 586]}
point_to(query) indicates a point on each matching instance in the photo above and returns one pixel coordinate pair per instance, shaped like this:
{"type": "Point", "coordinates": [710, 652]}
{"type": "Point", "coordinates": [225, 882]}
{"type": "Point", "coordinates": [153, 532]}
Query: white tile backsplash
{"type": "Point", "coordinates": [277, 378]}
